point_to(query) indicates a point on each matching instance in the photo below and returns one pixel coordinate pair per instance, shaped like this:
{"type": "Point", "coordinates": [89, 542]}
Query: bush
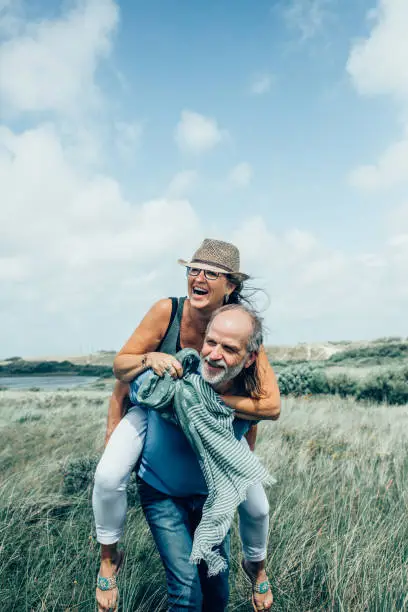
{"type": "Point", "coordinates": [392, 350]}
{"type": "Point", "coordinates": [78, 475]}
{"type": "Point", "coordinates": [389, 386]}
{"type": "Point", "coordinates": [343, 385]}
{"type": "Point", "coordinates": [302, 380]}
{"type": "Point", "coordinates": [21, 367]}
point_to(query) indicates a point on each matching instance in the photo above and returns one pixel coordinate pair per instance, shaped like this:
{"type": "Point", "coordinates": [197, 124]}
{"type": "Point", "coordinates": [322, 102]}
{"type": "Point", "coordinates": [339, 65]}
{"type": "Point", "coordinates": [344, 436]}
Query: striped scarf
{"type": "Point", "coordinates": [229, 467]}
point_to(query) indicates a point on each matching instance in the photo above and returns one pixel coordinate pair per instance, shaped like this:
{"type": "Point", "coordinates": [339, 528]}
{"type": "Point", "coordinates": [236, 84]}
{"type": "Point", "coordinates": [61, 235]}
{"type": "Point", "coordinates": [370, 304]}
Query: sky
{"type": "Point", "coordinates": [132, 130]}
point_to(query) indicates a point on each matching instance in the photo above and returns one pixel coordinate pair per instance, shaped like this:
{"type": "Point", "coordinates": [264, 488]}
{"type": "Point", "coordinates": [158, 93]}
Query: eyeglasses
{"type": "Point", "coordinates": [209, 274]}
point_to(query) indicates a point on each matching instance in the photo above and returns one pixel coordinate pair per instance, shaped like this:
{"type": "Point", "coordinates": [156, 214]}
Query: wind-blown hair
{"type": "Point", "coordinates": [247, 382]}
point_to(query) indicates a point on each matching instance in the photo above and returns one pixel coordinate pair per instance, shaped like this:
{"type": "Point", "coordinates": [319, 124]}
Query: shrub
{"type": "Point", "coordinates": [388, 386]}
{"type": "Point", "coordinates": [78, 475]}
{"type": "Point", "coordinates": [302, 380]}
{"type": "Point", "coordinates": [392, 350]}
{"type": "Point", "coordinates": [21, 367]}
{"type": "Point", "coordinates": [343, 385]}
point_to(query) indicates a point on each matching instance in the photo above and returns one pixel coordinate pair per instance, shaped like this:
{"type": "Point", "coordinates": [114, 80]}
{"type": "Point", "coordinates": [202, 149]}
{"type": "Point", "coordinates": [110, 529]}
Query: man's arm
{"type": "Point", "coordinates": [115, 410]}
{"type": "Point", "coordinates": [268, 406]}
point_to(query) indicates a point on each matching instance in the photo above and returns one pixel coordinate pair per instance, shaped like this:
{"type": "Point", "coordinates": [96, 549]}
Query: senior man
{"type": "Point", "coordinates": [171, 483]}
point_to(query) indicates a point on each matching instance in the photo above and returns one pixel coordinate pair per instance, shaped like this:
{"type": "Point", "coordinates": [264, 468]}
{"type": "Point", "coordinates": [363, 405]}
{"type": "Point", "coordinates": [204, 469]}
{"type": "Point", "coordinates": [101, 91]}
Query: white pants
{"type": "Point", "coordinates": [112, 474]}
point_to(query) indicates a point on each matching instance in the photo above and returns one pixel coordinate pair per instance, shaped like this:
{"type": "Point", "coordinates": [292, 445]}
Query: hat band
{"type": "Point", "coordinates": [212, 263]}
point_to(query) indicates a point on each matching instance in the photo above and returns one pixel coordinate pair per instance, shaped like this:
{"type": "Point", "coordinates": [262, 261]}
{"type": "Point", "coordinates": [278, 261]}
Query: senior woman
{"type": "Point", "coordinates": [213, 279]}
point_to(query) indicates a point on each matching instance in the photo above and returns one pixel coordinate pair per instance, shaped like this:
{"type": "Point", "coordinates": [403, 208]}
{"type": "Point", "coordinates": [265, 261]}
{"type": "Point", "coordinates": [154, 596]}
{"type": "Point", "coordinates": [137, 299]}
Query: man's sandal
{"type": "Point", "coordinates": [108, 583]}
{"type": "Point", "coordinates": [257, 587]}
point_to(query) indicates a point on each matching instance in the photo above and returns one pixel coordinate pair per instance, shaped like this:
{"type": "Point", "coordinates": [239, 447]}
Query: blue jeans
{"type": "Point", "coordinates": [172, 521]}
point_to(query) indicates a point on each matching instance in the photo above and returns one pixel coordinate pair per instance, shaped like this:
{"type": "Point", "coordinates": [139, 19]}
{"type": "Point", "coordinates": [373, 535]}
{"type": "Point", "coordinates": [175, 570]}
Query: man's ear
{"type": "Point", "coordinates": [250, 359]}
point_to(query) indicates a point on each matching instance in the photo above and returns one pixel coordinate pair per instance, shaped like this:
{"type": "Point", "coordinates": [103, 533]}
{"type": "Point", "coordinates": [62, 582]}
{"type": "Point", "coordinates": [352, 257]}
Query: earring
{"type": "Point", "coordinates": [226, 298]}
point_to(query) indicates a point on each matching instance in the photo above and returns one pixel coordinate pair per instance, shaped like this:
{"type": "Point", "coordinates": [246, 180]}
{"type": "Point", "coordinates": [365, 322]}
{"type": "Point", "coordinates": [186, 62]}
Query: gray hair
{"type": "Point", "coordinates": [255, 340]}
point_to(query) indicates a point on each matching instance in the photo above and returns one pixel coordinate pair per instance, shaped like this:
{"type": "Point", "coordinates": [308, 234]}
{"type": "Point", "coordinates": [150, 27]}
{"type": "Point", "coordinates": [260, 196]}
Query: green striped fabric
{"type": "Point", "coordinates": [229, 467]}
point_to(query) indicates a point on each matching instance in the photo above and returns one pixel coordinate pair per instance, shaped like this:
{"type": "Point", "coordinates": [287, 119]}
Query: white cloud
{"type": "Point", "coordinates": [378, 66]}
{"type": "Point", "coordinates": [51, 64]}
{"type": "Point", "coordinates": [74, 237]}
{"type": "Point", "coordinates": [391, 168]}
{"type": "Point", "coordinates": [182, 183]}
{"type": "Point", "coordinates": [12, 269]}
{"type": "Point", "coordinates": [308, 17]}
{"type": "Point", "coordinates": [310, 283]}
{"type": "Point", "coordinates": [398, 218]}
{"type": "Point", "coordinates": [261, 84]}
{"type": "Point", "coordinates": [85, 263]}
{"type": "Point", "coordinates": [241, 175]}
{"type": "Point", "coordinates": [72, 219]}
{"type": "Point", "coordinates": [128, 138]}
{"type": "Point", "coordinates": [196, 133]}
{"type": "Point", "coordinates": [300, 241]}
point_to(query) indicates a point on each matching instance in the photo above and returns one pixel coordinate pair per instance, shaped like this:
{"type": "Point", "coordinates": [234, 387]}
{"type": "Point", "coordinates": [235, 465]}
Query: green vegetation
{"type": "Point", "coordinates": [386, 350]}
{"type": "Point", "coordinates": [339, 534]}
{"type": "Point", "coordinates": [389, 386]}
{"type": "Point", "coordinates": [20, 367]}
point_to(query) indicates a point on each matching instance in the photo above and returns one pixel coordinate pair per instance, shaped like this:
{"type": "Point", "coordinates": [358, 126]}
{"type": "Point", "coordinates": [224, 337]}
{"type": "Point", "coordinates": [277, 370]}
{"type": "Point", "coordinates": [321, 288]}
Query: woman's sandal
{"type": "Point", "coordinates": [104, 583]}
{"type": "Point", "coordinates": [257, 587]}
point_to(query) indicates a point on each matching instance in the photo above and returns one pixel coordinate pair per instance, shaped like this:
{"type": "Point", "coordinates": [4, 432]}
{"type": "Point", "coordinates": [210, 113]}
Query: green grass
{"type": "Point", "coordinates": [339, 530]}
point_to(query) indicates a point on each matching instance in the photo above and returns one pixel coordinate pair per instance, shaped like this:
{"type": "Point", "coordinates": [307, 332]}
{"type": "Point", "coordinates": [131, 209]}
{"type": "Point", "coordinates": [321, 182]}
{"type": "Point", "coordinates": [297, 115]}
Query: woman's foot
{"type": "Point", "coordinates": [108, 595]}
{"type": "Point", "coordinates": [262, 598]}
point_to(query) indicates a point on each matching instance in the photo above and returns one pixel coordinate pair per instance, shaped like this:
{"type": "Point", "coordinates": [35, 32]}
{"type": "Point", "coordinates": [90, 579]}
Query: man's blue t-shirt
{"type": "Point", "coordinates": [168, 462]}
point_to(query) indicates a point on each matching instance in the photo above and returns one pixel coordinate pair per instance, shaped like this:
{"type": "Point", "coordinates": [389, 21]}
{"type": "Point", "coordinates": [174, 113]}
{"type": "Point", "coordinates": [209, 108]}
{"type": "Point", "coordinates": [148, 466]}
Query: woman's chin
{"type": "Point", "coordinates": [199, 301]}
{"type": "Point", "coordinates": [203, 302]}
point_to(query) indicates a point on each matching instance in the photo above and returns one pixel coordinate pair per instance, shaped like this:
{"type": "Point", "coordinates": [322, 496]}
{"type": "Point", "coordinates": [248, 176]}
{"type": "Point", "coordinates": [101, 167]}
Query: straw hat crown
{"type": "Point", "coordinates": [218, 256]}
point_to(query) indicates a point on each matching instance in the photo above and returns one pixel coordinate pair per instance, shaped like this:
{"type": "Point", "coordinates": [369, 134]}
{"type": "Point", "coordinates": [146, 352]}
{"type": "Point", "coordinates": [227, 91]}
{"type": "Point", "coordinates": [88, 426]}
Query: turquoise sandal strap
{"type": "Point", "coordinates": [261, 587]}
{"type": "Point", "coordinates": [106, 584]}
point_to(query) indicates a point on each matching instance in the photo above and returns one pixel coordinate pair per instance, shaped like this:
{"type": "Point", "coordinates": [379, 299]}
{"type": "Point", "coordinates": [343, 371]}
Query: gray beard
{"type": "Point", "coordinates": [222, 377]}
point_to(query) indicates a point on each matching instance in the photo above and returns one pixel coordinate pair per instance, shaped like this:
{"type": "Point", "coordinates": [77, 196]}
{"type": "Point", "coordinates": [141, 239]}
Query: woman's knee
{"type": "Point", "coordinates": [107, 479]}
{"type": "Point", "coordinates": [255, 508]}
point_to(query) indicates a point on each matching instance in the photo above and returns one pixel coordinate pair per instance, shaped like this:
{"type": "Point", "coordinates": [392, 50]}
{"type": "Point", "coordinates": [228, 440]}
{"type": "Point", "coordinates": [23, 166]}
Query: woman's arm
{"type": "Point", "coordinates": [116, 406]}
{"type": "Point", "coordinates": [251, 436]}
{"type": "Point", "coordinates": [138, 354]}
{"type": "Point", "coordinates": [268, 406]}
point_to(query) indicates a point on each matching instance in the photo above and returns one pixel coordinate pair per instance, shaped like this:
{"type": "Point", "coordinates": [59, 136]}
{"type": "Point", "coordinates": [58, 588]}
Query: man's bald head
{"type": "Point", "coordinates": [238, 315]}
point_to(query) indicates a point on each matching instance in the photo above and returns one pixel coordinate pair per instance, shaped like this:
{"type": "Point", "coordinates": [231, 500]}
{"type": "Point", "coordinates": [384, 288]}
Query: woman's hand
{"type": "Point", "coordinates": [162, 362]}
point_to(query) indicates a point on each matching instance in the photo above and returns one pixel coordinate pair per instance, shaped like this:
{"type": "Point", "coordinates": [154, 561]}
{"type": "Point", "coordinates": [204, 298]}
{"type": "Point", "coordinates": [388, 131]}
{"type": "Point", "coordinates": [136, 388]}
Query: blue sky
{"type": "Point", "coordinates": [132, 130]}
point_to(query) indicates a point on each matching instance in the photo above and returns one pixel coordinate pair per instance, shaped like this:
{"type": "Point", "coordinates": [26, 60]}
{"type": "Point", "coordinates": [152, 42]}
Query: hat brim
{"type": "Point", "coordinates": [214, 268]}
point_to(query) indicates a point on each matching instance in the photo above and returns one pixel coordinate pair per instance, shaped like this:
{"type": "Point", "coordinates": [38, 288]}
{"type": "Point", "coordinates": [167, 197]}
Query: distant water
{"type": "Point", "coordinates": [48, 383]}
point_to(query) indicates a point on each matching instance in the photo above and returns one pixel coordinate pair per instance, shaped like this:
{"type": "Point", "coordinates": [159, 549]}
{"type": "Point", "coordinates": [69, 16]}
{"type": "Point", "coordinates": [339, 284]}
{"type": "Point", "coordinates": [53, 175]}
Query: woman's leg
{"type": "Point", "coordinates": [254, 524]}
{"type": "Point", "coordinates": [109, 500]}
{"type": "Point", "coordinates": [253, 528]}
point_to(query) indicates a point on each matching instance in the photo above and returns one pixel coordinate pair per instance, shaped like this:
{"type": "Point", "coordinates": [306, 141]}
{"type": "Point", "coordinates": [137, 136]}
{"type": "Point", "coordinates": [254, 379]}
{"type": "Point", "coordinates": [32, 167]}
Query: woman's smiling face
{"type": "Point", "coordinates": [207, 293]}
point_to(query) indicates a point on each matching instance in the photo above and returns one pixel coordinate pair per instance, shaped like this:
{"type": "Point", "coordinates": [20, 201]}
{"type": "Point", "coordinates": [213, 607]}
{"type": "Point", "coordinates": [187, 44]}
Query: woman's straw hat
{"type": "Point", "coordinates": [218, 256]}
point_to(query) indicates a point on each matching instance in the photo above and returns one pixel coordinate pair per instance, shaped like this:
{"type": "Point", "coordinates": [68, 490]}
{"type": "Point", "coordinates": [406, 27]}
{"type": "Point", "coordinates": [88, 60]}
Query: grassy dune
{"type": "Point", "coordinates": [339, 528]}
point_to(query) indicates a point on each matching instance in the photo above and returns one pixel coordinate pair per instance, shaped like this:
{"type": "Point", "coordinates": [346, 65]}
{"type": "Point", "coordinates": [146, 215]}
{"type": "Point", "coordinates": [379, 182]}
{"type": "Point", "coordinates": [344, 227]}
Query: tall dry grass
{"type": "Point", "coordinates": [339, 528]}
